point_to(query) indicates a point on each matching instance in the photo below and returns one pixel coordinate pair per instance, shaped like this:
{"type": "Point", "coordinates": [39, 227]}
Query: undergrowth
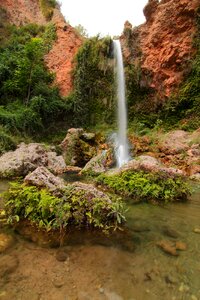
{"type": "Point", "coordinates": [73, 208]}
{"type": "Point", "coordinates": [143, 186]}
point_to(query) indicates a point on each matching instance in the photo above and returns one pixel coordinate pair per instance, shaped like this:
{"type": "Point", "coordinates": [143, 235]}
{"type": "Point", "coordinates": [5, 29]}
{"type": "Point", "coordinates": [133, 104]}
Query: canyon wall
{"type": "Point", "coordinates": [61, 56]}
{"type": "Point", "coordinates": [163, 46]}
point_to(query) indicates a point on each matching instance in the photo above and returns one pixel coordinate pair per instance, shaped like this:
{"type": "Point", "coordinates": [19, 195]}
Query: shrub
{"type": "Point", "coordinates": [52, 213]}
{"type": "Point", "coordinates": [146, 186]}
{"type": "Point", "coordinates": [6, 141]}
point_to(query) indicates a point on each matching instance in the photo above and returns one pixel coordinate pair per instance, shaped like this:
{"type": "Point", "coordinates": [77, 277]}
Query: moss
{"type": "Point", "coordinates": [93, 95]}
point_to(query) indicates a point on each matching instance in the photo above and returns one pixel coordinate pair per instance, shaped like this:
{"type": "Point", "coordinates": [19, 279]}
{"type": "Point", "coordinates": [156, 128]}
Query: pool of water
{"type": "Point", "coordinates": [131, 267]}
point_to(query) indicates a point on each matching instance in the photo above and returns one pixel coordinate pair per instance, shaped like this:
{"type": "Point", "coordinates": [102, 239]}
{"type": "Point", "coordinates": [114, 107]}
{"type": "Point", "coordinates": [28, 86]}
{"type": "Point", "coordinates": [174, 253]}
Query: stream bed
{"type": "Point", "coordinates": [130, 268]}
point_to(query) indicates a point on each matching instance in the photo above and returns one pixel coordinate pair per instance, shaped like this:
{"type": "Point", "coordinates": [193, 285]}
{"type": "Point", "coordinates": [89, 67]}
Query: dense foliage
{"type": "Point", "coordinates": [29, 103]}
{"type": "Point", "coordinates": [93, 95]}
{"type": "Point", "coordinates": [73, 208]}
{"type": "Point", "coordinates": [146, 186]}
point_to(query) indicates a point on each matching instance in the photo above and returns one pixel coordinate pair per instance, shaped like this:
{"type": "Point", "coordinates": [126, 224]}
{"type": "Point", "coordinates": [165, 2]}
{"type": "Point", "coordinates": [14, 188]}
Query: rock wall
{"type": "Point", "coordinates": [60, 58]}
{"type": "Point", "coordinates": [162, 46]}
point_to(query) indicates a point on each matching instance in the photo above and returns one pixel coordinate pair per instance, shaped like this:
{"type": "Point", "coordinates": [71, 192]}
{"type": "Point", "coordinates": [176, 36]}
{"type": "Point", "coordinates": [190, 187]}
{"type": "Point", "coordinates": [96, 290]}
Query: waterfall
{"type": "Point", "coordinates": [121, 145]}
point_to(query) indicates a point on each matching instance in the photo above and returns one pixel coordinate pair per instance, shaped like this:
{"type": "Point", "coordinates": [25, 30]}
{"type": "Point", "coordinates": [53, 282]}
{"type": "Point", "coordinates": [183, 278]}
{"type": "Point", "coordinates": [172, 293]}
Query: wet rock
{"type": "Point", "coordinates": [170, 232]}
{"type": "Point", "coordinates": [43, 178]}
{"type": "Point", "coordinates": [184, 288]}
{"type": "Point", "coordinates": [6, 241]}
{"type": "Point", "coordinates": [77, 147]}
{"type": "Point", "coordinates": [196, 230]}
{"type": "Point", "coordinates": [99, 164]}
{"type": "Point", "coordinates": [170, 279]}
{"type": "Point", "coordinates": [180, 246]}
{"type": "Point", "coordinates": [61, 255]}
{"type": "Point", "coordinates": [58, 282]}
{"type": "Point", "coordinates": [168, 247]}
{"type": "Point", "coordinates": [8, 264]}
{"type": "Point", "coordinates": [101, 290]}
{"type": "Point", "coordinates": [27, 157]}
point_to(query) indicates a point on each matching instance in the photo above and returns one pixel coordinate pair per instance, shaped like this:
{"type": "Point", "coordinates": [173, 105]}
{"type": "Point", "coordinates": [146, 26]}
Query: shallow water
{"type": "Point", "coordinates": [129, 268]}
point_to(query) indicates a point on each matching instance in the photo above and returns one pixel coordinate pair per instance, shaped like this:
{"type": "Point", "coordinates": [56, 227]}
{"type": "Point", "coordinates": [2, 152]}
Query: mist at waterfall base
{"type": "Point", "coordinates": [121, 141]}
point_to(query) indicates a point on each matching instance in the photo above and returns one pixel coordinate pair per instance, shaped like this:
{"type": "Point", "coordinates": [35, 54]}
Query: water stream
{"type": "Point", "coordinates": [122, 154]}
{"type": "Point", "coordinates": [131, 267]}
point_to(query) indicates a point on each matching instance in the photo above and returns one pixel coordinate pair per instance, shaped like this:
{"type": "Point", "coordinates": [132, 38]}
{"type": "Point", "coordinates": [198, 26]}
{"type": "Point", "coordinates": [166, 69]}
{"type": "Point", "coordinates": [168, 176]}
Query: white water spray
{"type": "Point", "coordinates": [122, 153]}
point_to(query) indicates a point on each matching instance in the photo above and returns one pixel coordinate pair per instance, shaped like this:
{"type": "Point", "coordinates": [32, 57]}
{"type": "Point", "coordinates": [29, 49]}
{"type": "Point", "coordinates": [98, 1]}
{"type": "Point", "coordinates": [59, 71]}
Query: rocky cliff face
{"type": "Point", "coordinates": [60, 58]}
{"type": "Point", "coordinates": [163, 46]}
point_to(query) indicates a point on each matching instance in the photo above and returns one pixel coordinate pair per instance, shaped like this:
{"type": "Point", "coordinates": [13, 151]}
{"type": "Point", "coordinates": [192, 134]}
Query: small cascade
{"type": "Point", "coordinates": [121, 143]}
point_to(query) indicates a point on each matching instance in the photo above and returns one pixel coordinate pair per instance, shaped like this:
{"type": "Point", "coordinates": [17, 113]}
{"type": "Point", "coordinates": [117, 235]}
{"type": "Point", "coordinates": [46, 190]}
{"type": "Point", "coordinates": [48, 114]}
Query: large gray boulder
{"type": "Point", "coordinates": [27, 157]}
{"type": "Point", "coordinates": [43, 178]}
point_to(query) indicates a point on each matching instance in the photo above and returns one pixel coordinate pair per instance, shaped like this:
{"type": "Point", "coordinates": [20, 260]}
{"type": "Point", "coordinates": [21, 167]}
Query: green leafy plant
{"type": "Point", "coordinates": [146, 186]}
{"type": "Point", "coordinates": [72, 209]}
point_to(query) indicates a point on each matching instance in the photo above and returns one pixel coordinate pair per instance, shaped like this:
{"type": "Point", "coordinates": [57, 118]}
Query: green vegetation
{"type": "Point", "coordinates": [29, 103]}
{"type": "Point", "coordinates": [7, 142]}
{"type": "Point", "coordinates": [146, 186]}
{"type": "Point", "coordinates": [47, 7]}
{"type": "Point", "coordinates": [93, 95]}
{"type": "Point", "coordinates": [53, 213]}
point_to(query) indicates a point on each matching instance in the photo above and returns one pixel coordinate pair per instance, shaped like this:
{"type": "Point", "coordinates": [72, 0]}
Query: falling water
{"type": "Point", "coordinates": [122, 154]}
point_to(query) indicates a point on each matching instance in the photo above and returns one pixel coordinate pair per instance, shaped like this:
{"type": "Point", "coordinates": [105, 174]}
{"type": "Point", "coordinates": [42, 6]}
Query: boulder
{"type": "Point", "coordinates": [91, 192]}
{"type": "Point", "coordinates": [175, 142]}
{"type": "Point", "coordinates": [150, 164]}
{"type": "Point", "coordinates": [78, 147]}
{"type": "Point", "coordinates": [27, 157]}
{"type": "Point", "coordinates": [43, 178]}
{"type": "Point", "coordinates": [99, 163]}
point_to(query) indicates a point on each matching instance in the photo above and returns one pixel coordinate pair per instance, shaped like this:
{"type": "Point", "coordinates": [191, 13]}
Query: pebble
{"type": "Point", "coordinates": [180, 246]}
{"type": "Point", "coordinates": [101, 290]}
{"type": "Point", "coordinates": [61, 255]}
{"type": "Point", "coordinates": [183, 288]}
{"type": "Point", "coordinates": [168, 247]}
{"type": "Point", "coordinates": [170, 279]}
{"type": "Point", "coordinates": [58, 283]}
{"type": "Point", "coordinates": [196, 230]}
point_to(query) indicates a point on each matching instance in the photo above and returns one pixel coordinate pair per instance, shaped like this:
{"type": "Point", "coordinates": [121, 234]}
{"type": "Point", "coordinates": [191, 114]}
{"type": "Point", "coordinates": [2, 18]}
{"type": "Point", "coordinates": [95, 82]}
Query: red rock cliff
{"type": "Point", "coordinates": [164, 44]}
{"type": "Point", "coordinates": [60, 58]}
